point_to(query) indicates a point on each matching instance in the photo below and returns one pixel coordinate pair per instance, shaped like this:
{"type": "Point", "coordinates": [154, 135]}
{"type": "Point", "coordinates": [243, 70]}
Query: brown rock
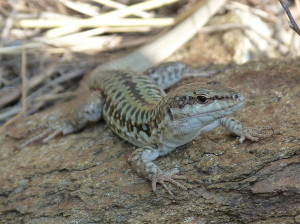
{"type": "Point", "coordinates": [85, 177]}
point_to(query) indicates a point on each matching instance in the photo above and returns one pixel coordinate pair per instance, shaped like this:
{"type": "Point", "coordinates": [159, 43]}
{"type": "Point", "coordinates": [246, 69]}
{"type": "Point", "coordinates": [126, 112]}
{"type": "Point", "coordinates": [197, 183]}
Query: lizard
{"type": "Point", "coordinates": [128, 94]}
{"type": "Point", "coordinates": [136, 108]}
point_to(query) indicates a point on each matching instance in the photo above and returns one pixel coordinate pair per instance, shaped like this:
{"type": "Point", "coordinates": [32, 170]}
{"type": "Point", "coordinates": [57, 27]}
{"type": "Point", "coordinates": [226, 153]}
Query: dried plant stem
{"type": "Point", "coordinates": [293, 24]}
{"type": "Point", "coordinates": [118, 5]}
{"type": "Point", "coordinates": [83, 8]}
{"type": "Point", "coordinates": [79, 38]}
{"type": "Point", "coordinates": [122, 11]}
{"type": "Point", "coordinates": [61, 31]}
{"type": "Point", "coordinates": [24, 93]}
{"type": "Point", "coordinates": [262, 14]}
{"type": "Point", "coordinates": [108, 19]}
{"type": "Point", "coordinates": [18, 49]}
{"type": "Point", "coordinates": [143, 6]}
{"type": "Point", "coordinates": [102, 30]}
{"type": "Point", "coordinates": [89, 23]}
{"type": "Point", "coordinates": [55, 96]}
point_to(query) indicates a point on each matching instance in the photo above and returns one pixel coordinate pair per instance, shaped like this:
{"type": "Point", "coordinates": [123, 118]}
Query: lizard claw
{"type": "Point", "coordinates": [255, 134]}
{"type": "Point", "coordinates": [169, 177]}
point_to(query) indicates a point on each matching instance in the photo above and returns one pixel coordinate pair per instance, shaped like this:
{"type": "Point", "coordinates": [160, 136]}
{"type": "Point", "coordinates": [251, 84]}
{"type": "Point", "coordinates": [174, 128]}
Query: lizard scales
{"type": "Point", "coordinates": [130, 105]}
{"type": "Point", "coordinates": [135, 106]}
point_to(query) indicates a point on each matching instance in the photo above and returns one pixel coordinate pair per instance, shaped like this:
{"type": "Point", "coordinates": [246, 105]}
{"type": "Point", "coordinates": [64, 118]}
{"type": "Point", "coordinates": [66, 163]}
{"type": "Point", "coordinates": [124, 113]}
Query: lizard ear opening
{"type": "Point", "coordinates": [169, 113]}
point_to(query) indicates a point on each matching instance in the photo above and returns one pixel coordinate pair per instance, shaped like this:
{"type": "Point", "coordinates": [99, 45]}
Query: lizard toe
{"type": "Point", "coordinates": [45, 133]}
{"type": "Point", "coordinates": [256, 134]}
{"type": "Point", "coordinates": [171, 177]}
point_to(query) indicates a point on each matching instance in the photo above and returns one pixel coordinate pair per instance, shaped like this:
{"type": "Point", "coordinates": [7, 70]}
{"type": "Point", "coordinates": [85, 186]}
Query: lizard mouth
{"type": "Point", "coordinates": [216, 113]}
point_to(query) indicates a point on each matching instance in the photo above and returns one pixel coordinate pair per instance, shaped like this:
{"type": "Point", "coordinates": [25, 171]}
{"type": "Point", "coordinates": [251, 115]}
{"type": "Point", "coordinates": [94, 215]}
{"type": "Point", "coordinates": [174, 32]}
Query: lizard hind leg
{"type": "Point", "coordinates": [48, 132]}
{"type": "Point", "coordinates": [91, 111]}
{"type": "Point", "coordinates": [36, 137]}
{"type": "Point", "coordinates": [141, 161]}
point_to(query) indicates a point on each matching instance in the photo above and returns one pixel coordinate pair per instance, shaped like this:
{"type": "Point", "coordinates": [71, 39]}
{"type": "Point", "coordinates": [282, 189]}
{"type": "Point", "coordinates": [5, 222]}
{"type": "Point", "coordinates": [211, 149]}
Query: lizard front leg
{"type": "Point", "coordinates": [254, 134]}
{"type": "Point", "coordinates": [141, 161]}
{"type": "Point", "coordinates": [91, 111]}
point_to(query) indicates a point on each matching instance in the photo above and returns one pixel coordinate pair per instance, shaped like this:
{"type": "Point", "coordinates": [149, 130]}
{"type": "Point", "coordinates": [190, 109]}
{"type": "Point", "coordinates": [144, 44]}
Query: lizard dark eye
{"type": "Point", "coordinates": [201, 99]}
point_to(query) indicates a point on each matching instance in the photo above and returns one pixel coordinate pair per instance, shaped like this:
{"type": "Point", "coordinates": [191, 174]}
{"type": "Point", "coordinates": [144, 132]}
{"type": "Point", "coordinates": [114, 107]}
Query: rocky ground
{"type": "Point", "coordinates": [85, 177]}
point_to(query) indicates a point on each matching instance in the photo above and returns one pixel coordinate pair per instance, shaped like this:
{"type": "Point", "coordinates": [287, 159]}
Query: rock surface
{"type": "Point", "coordinates": [85, 177]}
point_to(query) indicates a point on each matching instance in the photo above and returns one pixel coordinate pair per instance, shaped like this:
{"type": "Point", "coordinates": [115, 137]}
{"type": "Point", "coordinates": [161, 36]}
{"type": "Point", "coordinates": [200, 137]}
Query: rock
{"type": "Point", "coordinates": [85, 177]}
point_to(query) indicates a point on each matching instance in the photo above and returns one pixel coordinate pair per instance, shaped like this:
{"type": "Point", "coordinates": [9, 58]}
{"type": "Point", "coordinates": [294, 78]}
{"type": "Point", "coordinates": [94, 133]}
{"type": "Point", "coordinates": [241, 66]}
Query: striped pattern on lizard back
{"type": "Point", "coordinates": [130, 104]}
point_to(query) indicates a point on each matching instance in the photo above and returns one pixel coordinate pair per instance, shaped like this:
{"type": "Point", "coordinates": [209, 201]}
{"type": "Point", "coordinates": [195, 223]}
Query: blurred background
{"type": "Point", "coordinates": [65, 39]}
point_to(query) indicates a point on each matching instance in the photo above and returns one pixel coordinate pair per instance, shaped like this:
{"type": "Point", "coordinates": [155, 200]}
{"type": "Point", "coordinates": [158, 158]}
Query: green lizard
{"type": "Point", "coordinates": [137, 109]}
{"type": "Point", "coordinates": [128, 94]}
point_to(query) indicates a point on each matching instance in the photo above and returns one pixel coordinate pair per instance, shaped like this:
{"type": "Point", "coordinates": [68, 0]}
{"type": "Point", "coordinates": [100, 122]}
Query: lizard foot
{"type": "Point", "coordinates": [45, 133]}
{"type": "Point", "coordinates": [162, 177]}
{"type": "Point", "coordinates": [256, 134]}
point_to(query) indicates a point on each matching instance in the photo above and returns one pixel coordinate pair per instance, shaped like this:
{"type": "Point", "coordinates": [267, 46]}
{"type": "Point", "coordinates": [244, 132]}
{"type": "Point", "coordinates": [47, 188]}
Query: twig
{"type": "Point", "coordinates": [118, 5]}
{"type": "Point", "coordinates": [143, 6]}
{"type": "Point", "coordinates": [9, 112]}
{"type": "Point", "coordinates": [64, 30]}
{"type": "Point", "coordinates": [18, 49]}
{"type": "Point", "coordinates": [293, 24]}
{"type": "Point", "coordinates": [262, 14]}
{"type": "Point", "coordinates": [85, 23]}
{"type": "Point", "coordinates": [98, 41]}
{"type": "Point", "coordinates": [66, 77]}
{"type": "Point", "coordinates": [56, 96]}
{"type": "Point", "coordinates": [61, 31]}
{"type": "Point", "coordinates": [60, 41]}
{"type": "Point", "coordinates": [33, 82]}
{"type": "Point", "coordinates": [121, 12]}
{"type": "Point", "coordinates": [222, 27]}
{"type": "Point", "coordinates": [83, 8]}
{"type": "Point", "coordinates": [101, 30]}
{"type": "Point", "coordinates": [108, 19]}
{"type": "Point", "coordinates": [6, 29]}
{"type": "Point", "coordinates": [61, 8]}
{"type": "Point", "coordinates": [24, 93]}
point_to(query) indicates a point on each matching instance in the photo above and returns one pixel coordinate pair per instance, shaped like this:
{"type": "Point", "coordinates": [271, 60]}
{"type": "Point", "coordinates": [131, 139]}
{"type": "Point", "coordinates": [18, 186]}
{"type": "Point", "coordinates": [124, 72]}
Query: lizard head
{"type": "Point", "coordinates": [205, 100]}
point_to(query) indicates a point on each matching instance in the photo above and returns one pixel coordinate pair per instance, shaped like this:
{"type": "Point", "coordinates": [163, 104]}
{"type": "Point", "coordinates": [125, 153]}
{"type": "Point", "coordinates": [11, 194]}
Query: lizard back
{"type": "Point", "coordinates": [130, 102]}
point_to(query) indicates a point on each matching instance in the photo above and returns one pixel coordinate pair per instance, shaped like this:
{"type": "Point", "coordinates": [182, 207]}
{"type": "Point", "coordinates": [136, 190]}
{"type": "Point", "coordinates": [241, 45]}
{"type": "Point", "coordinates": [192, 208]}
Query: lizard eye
{"type": "Point", "coordinates": [201, 99]}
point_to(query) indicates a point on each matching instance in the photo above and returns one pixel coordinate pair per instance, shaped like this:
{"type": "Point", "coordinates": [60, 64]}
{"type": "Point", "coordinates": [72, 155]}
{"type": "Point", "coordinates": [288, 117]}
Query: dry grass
{"type": "Point", "coordinates": [65, 39]}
